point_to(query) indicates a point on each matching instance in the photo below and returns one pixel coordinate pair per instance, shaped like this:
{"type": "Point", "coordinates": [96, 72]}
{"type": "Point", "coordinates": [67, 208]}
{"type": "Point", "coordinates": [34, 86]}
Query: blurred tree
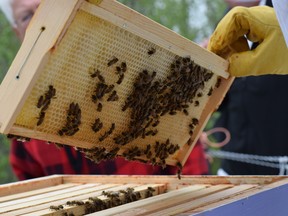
{"type": "Point", "coordinates": [9, 45]}
{"type": "Point", "coordinates": [193, 19]}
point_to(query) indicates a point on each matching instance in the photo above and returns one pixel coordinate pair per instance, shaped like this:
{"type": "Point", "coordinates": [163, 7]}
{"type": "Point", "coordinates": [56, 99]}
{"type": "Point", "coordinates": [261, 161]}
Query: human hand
{"type": "Point", "coordinates": [258, 24]}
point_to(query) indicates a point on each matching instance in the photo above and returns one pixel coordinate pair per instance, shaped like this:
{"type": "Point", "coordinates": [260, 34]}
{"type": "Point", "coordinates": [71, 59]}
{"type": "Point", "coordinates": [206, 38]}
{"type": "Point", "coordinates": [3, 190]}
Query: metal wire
{"type": "Point", "coordinates": [278, 162]}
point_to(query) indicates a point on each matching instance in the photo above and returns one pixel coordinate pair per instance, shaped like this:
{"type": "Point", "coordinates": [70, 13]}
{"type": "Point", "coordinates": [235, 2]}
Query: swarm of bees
{"type": "Point", "coordinates": [97, 154]}
{"type": "Point", "coordinates": [56, 208]}
{"type": "Point", "coordinates": [112, 199]}
{"type": "Point", "coordinates": [150, 99]}
{"type": "Point", "coordinates": [73, 120]}
{"type": "Point", "coordinates": [75, 203]}
{"type": "Point", "coordinates": [18, 138]}
{"type": "Point", "coordinates": [44, 102]}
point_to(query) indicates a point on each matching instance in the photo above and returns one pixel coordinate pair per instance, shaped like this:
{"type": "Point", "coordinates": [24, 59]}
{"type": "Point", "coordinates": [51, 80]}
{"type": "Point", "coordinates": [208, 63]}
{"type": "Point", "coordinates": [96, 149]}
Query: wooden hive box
{"type": "Point", "coordinates": [98, 75]}
{"type": "Point", "coordinates": [157, 195]}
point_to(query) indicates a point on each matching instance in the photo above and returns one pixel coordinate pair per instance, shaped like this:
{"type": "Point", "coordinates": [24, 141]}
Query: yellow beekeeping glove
{"type": "Point", "coordinates": [259, 24]}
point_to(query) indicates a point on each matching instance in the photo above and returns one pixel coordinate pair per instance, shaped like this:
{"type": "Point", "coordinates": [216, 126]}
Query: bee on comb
{"type": "Point", "coordinates": [112, 61]}
{"type": "Point", "coordinates": [151, 51]}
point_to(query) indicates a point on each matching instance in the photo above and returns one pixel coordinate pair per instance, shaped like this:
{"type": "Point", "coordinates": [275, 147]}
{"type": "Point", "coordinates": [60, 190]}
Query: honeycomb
{"type": "Point", "coordinates": [90, 46]}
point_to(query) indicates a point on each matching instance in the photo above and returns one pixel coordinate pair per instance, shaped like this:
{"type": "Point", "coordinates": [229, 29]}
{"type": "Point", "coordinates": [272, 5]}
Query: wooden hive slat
{"type": "Point", "coordinates": [44, 206]}
{"type": "Point", "coordinates": [148, 205]}
{"type": "Point", "coordinates": [34, 192]}
{"type": "Point", "coordinates": [80, 210]}
{"type": "Point", "coordinates": [33, 70]}
{"type": "Point", "coordinates": [47, 197]}
{"type": "Point", "coordinates": [211, 197]}
{"type": "Point", "coordinates": [239, 196]}
{"type": "Point", "coordinates": [28, 185]}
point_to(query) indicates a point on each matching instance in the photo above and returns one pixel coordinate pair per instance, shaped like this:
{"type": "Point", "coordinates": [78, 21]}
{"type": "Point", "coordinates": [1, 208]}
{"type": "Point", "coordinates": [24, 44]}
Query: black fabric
{"type": "Point", "coordinates": [255, 111]}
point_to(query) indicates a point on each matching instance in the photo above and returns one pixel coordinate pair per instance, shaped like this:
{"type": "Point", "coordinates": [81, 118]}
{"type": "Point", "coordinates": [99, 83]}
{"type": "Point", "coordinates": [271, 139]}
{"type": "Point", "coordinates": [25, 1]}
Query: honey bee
{"type": "Point", "coordinates": [149, 192]}
{"type": "Point", "coordinates": [41, 118]}
{"type": "Point", "coordinates": [112, 61]}
{"type": "Point", "coordinates": [75, 202]}
{"type": "Point", "coordinates": [118, 70]}
{"type": "Point", "coordinates": [99, 107]}
{"type": "Point", "coordinates": [101, 78]}
{"type": "Point", "coordinates": [104, 136]}
{"type": "Point", "coordinates": [151, 51]}
{"type": "Point", "coordinates": [148, 147]}
{"type": "Point", "coordinates": [59, 145]}
{"type": "Point", "coordinates": [218, 83]}
{"type": "Point", "coordinates": [210, 92]}
{"type": "Point", "coordinates": [45, 105]}
{"type": "Point", "coordinates": [79, 202]}
{"type": "Point", "coordinates": [149, 154]}
{"type": "Point", "coordinates": [121, 77]}
{"type": "Point", "coordinates": [95, 73]}
{"type": "Point", "coordinates": [56, 208]}
{"type": "Point", "coordinates": [97, 125]}
{"type": "Point", "coordinates": [186, 60]}
{"type": "Point", "coordinates": [195, 121]}
{"type": "Point", "coordinates": [172, 67]}
{"type": "Point", "coordinates": [172, 112]}
{"type": "Point", "coordinates": [196, 103]}
{"type": "Point", "coordinates": [60, 132]}
{"type": "Point", "coordinates": [51, 92]}
{"type": "Point", "coordinates": [200, 94]}
{"type": "Point", "coordinates": [112, 128]}
{"type": "Point", "coordinates": [123, 67]}
{"type": "Point", "coordinates": [179, 171]}
{"type": "Point", "coordinates": [185, 112]}
{"type": "Point", "coordinates": [155, 123]}
{"type": "Point", "coordinates": [126, 105]}
{"type": "Point", "coordinates": [185, 106]}
{"type": "Point", "coordinates": [189, 142]}
{"type": "Point", "coordinates": [109, 89]}
{"type": "Point", "coordinates": [40, 101]}
{"type": "Point", "coordinates": [113, 96]}
{"type": "Point", "coordinates": [72, 132]}
{"type": "Point", "coordinates": [177, 63]}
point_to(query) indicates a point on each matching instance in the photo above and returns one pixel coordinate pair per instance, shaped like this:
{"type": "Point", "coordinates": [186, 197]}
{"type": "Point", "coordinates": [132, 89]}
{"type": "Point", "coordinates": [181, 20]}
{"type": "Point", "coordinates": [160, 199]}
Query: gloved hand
{"type": "Point", "coordinates": [259, 24]}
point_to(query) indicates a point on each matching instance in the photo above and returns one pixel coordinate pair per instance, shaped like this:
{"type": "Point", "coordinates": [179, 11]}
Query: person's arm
{"type": "Point", "coordinates": [258, 24]}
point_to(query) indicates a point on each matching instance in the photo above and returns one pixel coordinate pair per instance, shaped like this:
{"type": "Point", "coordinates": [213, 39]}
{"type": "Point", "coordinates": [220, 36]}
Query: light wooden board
{"type": "Point", "coordinates": [189, 196]}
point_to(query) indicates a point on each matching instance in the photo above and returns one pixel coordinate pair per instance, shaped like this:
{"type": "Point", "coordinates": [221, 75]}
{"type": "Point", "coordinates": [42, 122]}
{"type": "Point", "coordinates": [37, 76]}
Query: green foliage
{"type": "Point", "coordinates": [193, 19]}
{"type": "Point", "coordinates": [6, 174]}
{"type": "Point", "coordinates": [8, 47]}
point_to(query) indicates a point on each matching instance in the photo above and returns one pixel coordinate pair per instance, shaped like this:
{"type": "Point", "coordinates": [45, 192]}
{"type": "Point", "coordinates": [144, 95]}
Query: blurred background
{"type": "Point", "coordinates": [193, 19]}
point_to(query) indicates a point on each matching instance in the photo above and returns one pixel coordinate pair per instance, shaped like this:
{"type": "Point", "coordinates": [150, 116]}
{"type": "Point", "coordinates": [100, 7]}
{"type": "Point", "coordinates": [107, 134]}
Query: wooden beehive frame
{"type": "Point", "coordinates": [192, 195]}
{"type": "Point", "coordinates": [47, 30]}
